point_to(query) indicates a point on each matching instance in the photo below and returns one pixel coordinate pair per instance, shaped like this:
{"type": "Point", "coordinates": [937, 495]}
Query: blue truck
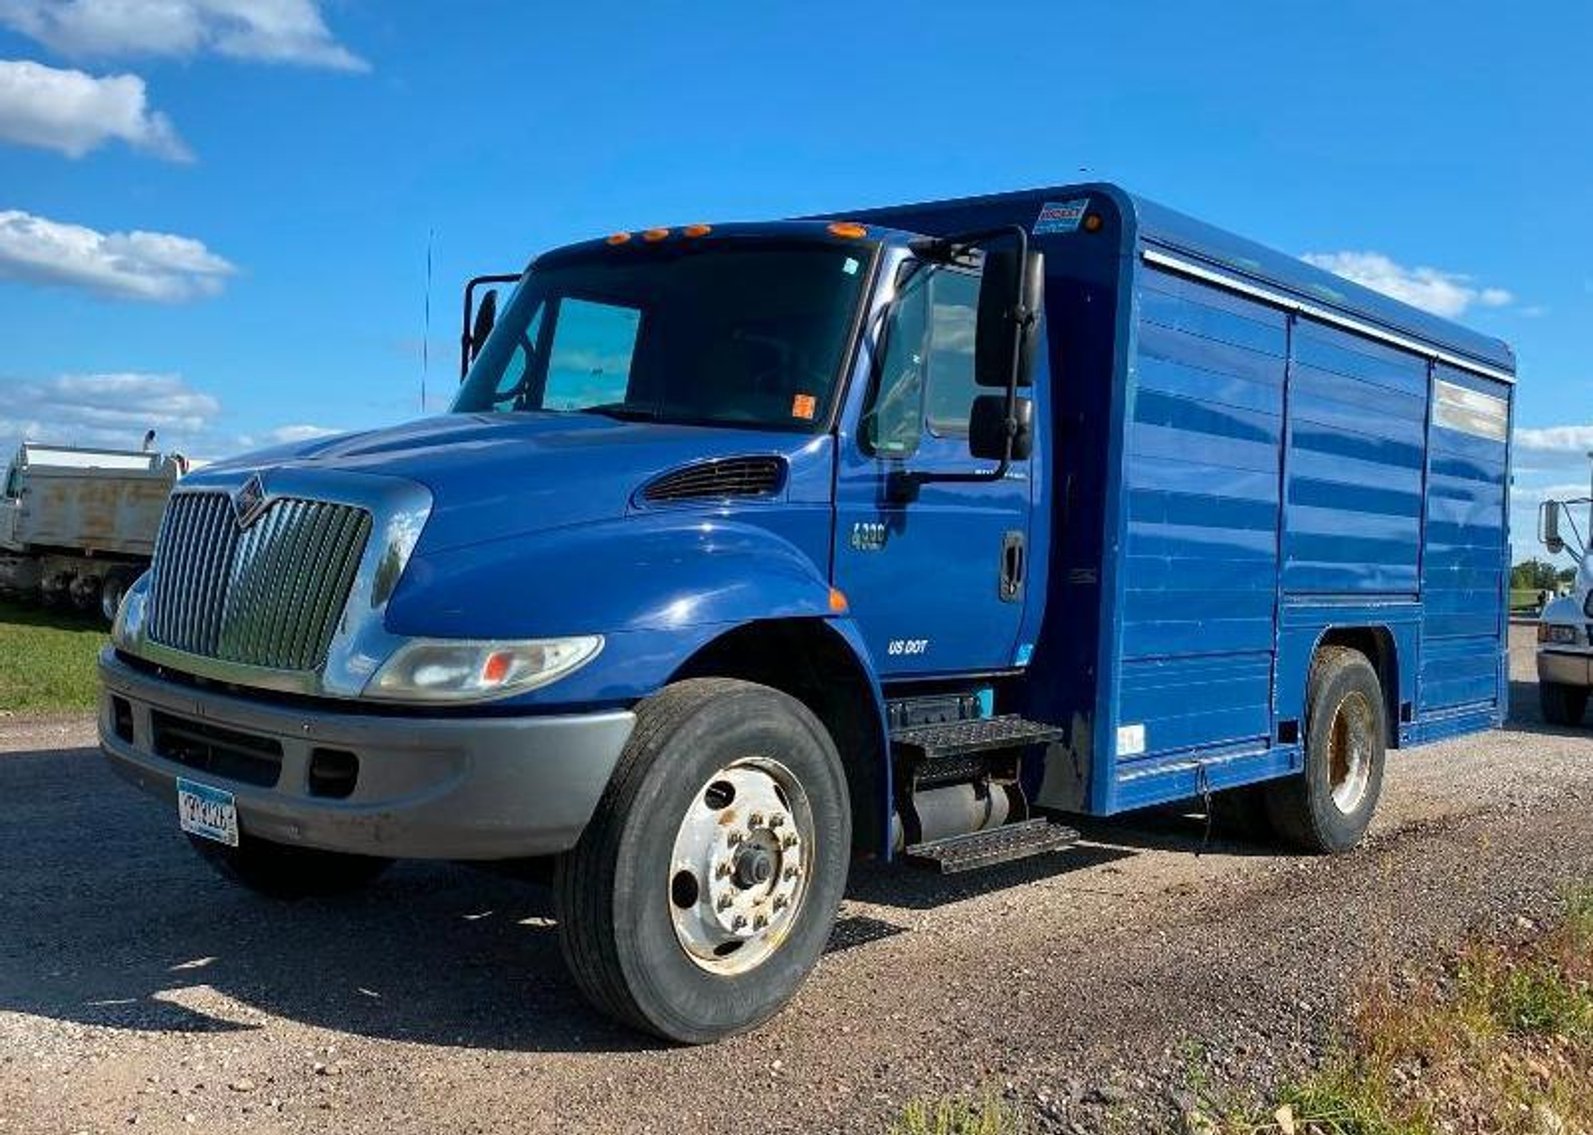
{"type": "Point", "coordinates": [909, 532]}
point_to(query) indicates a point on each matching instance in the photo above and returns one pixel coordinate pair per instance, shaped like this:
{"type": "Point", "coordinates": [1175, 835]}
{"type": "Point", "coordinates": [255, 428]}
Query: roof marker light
{"type": "Point", "coordinates": [653, 236]}
{"type": "Point", "coordinates": [619, 238]}
{"type": "Point", "coordinates": [696, 230]}
{"type": "Point", "coordinates": [849, 229]}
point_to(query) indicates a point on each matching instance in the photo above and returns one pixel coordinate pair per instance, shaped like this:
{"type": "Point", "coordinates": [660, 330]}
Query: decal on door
{"type": "Point", "coordinates": [869, 536]}
{"type": "Point", "coordinates": [901, 646]}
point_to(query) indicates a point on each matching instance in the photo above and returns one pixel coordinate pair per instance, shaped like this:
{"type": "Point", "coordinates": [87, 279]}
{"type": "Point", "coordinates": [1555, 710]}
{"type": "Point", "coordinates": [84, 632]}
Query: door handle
{"type": "Point", "coordinates": [1013, 566]}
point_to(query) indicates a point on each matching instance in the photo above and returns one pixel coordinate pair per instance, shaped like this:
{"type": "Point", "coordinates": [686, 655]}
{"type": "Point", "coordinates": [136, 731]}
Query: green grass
{"type": "Point", "coordinates": [1500, 1041]}
{"type": "Point", "coordinates": [1524, 600]}
{"type": "Point", "coordinates": [958, 1117]}
{"type": "Point", "coordinates": [47, 660]}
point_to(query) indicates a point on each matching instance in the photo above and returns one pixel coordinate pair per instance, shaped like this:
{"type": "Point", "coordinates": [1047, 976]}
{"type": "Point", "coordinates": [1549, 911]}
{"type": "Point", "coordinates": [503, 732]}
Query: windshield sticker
{"type": "Point", "coordinates": [804, 406]}
{"type": "Point", "coordinates": [1063, 218]}
{"type": "Point", "coordinates": [850, 266]}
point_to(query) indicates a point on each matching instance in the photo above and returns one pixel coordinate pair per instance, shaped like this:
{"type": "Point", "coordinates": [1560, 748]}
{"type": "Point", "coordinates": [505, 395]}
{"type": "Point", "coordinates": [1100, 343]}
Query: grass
{"type": "Point", "coordinates": [1499, 1040]}
{"type": "Point", "coordinates": [47, 660]}
{"type": "Point", "coordinates": [990, 1116]}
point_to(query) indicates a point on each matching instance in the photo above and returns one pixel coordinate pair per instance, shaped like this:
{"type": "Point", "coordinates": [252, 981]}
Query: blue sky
{"type": "Point", "coordinates": [291, 157]}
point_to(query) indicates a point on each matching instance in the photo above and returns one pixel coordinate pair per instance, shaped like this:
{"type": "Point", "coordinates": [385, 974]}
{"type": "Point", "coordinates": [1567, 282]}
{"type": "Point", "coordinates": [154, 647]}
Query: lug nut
{"type": "Point", "coordinates": [788, 842]}
{"type": "Point", "coordinates": [760, 922]}
{"type": "Point", "coordinates": [721, 870]}
{"type": "Point", "coordinates": [724, 902]}
{"type": "Point", "coordinates": [776, 820]}
{"type": "Point", "coordinates": [734, 838]}
{"type": "Point", "coordinates": [755, 820]}
{"type": "Point", "coordinates": [739, 922]}
{"type": "Point", "coordinates": [780, 902]}
{"type": "Point", "coordinates": [791, 872]}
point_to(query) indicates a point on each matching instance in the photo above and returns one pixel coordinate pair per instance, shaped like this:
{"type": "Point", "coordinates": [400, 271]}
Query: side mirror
{"type": "Point", "coordinates": [988, 428]}
{"type": "Point", "coordinates": [486, 319]}
{"type": "Point", "coordinates": [1010, 295]}
{"type": "Point", "coordinates": [1549, 527]}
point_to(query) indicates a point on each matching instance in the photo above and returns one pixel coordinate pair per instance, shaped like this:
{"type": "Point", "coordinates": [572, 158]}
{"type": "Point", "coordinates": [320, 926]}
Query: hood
{"type": "Point", "coordinates": [494, 476]}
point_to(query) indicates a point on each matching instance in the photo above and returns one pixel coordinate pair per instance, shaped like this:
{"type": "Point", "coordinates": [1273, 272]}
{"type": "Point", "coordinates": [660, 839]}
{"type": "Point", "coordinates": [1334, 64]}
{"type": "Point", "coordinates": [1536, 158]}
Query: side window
{"type": "Point", "coordinates": [514, 384]}
{"type": "Point", "coordinates": [590, 361]}
{"type": "Point", "coordinates": [951, 390]}
{"type": "Point", "coordinates": [894, 421]}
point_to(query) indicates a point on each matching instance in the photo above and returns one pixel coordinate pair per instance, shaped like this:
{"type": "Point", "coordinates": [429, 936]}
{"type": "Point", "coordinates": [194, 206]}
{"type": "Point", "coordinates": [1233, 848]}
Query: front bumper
{"type": "Point", "coordinates": [426, 787]}
{"type": "Point", "coordinates": [1565, 667]}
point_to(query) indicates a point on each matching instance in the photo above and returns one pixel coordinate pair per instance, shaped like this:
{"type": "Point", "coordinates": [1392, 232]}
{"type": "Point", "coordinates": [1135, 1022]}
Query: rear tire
{"type": "Point", "coordinates": [1562, 704]}
{"type": "Point", "coordinates": [112, 590]}
{"type": "Point", "coordinates": [1328, 808]}
{"type": "Point", "coordinates": [279, 871]}
{"type": "Point", "coordinates": [729, 803]}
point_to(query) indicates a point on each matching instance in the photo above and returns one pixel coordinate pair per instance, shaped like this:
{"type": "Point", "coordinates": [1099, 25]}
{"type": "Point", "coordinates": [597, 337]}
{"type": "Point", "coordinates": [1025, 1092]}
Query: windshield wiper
{"type": "Point", "coordinates": [622, 412]}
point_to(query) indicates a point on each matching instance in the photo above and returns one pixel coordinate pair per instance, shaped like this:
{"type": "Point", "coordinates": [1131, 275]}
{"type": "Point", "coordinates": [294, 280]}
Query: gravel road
{"type": "Point", "coordinates": [137, 989]}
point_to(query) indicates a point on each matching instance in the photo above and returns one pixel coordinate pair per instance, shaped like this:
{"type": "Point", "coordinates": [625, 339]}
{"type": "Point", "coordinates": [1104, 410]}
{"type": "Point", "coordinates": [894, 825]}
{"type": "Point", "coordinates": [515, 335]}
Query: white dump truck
{"type": "Point", "coordinates": [78, 525]}
{"type": "Point", "coordinates": [1565, 629]}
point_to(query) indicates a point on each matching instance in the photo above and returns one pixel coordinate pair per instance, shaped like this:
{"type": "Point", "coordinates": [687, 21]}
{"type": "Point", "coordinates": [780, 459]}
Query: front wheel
{"type": "Point", "coordinates": [704, 889]}
{"type": "Point", "coordinates": [1329, 807]}
{"type": "Point", "coordinates": [1562, 704]}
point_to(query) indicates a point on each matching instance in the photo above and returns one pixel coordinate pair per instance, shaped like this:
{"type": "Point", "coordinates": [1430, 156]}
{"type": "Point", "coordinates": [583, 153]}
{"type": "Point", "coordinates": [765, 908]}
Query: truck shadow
{"type": "Point", "coordinates": [22, 614]}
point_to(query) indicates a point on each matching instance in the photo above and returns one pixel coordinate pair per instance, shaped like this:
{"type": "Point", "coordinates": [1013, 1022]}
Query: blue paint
{"type": "Point", "coordinates": [1217, 485]}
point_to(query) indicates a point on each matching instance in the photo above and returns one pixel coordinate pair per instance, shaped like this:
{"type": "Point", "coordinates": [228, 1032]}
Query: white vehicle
{"type": "Point", "coordinates": [1565, 629]}
{"type": "Point", "coordinates": [78, 525]}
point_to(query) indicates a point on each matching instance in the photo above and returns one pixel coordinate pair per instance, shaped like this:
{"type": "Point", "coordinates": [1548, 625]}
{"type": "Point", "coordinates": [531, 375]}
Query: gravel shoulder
{"type": "Point", "coordinates": [136, 989]}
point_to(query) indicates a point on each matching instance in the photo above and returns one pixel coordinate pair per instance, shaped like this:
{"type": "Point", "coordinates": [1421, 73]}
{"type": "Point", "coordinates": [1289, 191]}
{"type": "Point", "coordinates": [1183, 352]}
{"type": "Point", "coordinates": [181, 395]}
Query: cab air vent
{"type": "Point", "coordinates": [716, 480]}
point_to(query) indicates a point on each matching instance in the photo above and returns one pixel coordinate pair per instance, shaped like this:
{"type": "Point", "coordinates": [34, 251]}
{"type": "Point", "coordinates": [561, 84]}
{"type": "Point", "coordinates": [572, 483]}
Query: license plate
{"type": "Point", "coordinates": [207, 812]}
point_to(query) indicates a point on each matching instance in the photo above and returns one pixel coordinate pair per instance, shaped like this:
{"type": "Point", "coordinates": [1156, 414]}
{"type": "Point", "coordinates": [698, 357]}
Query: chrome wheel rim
{"type": "Point", "coordinates": [1350, 752]}
{"type": "Point", "coordinates": [739, 871]}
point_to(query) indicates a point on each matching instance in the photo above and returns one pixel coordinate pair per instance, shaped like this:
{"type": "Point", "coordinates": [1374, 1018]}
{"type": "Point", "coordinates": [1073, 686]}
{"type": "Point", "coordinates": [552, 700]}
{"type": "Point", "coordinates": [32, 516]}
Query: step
{"type": "Point", "coordinates": [996, 845]}
{"type": "Point", "coordinates": [980, 735]}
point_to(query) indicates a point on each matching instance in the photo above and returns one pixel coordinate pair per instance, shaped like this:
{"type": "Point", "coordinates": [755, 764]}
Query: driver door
{"type": "Point", "coordinates": [935, 583]}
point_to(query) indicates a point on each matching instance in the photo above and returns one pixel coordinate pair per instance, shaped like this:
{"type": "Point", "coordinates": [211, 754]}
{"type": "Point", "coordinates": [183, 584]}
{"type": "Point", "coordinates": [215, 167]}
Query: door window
{"type": "Point", "coordinates": [927, 370]}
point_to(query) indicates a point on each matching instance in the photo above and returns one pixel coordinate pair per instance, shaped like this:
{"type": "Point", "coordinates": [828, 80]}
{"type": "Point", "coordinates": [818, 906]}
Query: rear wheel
{"type": "Point", "coordinates": [1329, 807]}
{"type": "Point", "coordinates": [283, 872]}
{"type": "Point", "coordinates": [1562, 704]}
{"type": "Point", "coordinates": [112, 589]}
{"type": "Point", "coordinates": [703, 890]}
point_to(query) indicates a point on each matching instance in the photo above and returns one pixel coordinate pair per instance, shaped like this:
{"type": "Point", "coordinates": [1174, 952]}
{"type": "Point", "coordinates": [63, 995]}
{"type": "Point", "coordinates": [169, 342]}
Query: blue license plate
{"type": "Point", "coordinates": [207, 812]}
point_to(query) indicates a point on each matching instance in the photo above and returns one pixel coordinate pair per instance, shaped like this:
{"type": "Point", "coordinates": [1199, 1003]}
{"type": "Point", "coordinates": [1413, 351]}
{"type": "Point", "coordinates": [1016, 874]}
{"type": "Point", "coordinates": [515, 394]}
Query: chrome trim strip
{"type": "Point", "coordinates": [360, 644]}
{"type": "Point", "coordinates": [1322, 314]}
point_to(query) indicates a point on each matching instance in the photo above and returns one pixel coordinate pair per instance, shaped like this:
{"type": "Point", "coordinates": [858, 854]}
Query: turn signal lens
{"type": "Point", "coordinates": [849, 229]}
{"type": "Point", "coordinates": [653, 236]}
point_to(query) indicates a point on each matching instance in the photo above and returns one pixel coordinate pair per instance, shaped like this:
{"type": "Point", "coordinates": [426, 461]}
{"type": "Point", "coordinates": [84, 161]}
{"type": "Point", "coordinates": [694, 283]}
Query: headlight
{"type": "Point", "coordinates": [1557, 633]}
{"type": "Point", "coordinates": [455, 670]}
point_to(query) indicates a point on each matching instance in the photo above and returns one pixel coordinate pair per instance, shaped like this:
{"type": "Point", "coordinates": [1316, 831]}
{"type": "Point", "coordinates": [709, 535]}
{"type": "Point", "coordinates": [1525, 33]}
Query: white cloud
{"type": "Point", "coordinates": [131, 265]}
{"type": "Point", "coordinates": [287, 435]}
{"type": "Point", "coordinates": [75, 112]}
{"type": "Point", "coordinates": [275, 31]}
{"type": "Point", "coordinates": [1557, 439]}
{"type": "Point", "coordinates": [1442, 293]}
{"type": "Point", "coordinates": [111, 410]}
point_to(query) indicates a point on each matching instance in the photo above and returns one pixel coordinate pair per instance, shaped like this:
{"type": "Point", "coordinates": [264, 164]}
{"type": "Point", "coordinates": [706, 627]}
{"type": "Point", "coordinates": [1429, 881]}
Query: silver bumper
{"type": "Point", "coordinates": [425, 787]}
{"type": "Point", "coordinates": [1565, 668]}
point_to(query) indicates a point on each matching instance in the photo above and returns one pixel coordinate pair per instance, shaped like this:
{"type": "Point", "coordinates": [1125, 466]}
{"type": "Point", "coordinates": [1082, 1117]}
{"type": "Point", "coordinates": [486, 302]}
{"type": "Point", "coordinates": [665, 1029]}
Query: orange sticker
{"type": "Point", "coordinates": [804, 406]}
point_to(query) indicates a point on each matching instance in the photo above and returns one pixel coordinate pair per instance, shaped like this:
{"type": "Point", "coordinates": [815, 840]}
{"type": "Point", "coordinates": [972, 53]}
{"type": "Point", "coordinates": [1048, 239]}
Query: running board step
{"type": "Point", "coordinates": [994, 845]}
{"type": "Point", "coordinates": [980, 735]}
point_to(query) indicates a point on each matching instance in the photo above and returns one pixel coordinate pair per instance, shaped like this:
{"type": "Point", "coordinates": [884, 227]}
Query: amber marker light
{"type": "Point", "coordinates": [620, 238]}
{"type": "Point", "coordinates": [696, 230]}
{"type": "Point", "coordinates": [837, 600]}
{"type": "Point", "coordinates": [653, 236]}
{"type": "Point", "coordinates": [849, 229]}
{"type": "Point", "coordinates": [1092, 222]}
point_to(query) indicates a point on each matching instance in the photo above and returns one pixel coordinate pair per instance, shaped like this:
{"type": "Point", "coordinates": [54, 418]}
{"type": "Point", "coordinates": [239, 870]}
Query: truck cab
{"type": "Point", "coordinates": [1565, 625]}
{"type": "Point", "coordinates": [909, 533]}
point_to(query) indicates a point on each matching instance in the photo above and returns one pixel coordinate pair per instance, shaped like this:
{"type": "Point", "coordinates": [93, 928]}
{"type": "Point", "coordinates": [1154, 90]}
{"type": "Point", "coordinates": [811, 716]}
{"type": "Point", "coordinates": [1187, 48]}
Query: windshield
{"type": "Point", "coordinates": [750, 334]}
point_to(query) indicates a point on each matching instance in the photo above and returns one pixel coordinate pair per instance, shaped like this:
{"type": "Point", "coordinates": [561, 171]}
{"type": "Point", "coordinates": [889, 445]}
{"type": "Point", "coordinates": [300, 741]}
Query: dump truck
{"type": "Point", "coordinates": [77, 525]}
{"type": "Point", "coordinates": [1565, 625]}
{"type": "Point", "coordinates": [909, 533]}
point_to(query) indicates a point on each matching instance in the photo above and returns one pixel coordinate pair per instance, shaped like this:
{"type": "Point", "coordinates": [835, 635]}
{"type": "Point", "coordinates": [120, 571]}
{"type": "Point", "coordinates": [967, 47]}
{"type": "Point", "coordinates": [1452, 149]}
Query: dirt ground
{"type": "Point", "coordinates": [136, 989]}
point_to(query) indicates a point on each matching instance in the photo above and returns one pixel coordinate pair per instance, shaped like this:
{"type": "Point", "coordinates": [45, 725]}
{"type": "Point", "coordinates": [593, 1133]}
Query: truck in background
{"type": "Point", "coordinates": [908, 533]}
{"type": "Point", "coordinates": [1565, 626]}
{"type": "Point", "coordinates": [77, 525]}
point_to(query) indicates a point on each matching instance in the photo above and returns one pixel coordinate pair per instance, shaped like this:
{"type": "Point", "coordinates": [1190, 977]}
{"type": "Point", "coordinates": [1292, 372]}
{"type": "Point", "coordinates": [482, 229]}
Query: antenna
{"type": "Point", "coordinates": [425, 327]}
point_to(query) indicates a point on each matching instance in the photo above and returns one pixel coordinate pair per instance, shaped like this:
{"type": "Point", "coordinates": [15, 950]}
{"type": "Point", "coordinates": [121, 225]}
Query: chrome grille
{"type": "Point", "coordinates": [269, 595]}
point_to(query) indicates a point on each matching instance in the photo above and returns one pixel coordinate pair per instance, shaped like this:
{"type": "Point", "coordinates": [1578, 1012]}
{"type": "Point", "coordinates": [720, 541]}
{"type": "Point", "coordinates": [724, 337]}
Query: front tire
{"type": "Point", "coordinates": [704, 888]}
{"type": "Point", "coordinates": [279, 871]}
{"type": "Point", "coordinates": [1328, 808]}
{"type": "Point", "coordinates": [1562, 704]}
